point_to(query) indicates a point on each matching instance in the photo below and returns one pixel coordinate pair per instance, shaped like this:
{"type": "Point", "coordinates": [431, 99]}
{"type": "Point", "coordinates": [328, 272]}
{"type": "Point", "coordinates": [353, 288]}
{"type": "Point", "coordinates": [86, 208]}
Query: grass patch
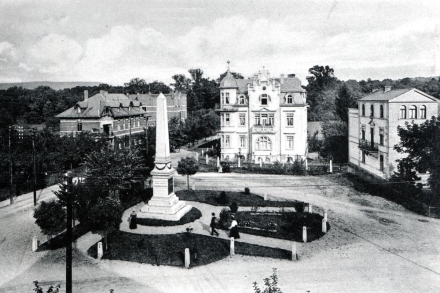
{"type": "Point", "coordinates": [242, 199]}
{"type": "Point", "coordinates": [189, 217]}
{"type": "Point", "coordinates": [286, 225]}
{"type": "Point", "coordinates": [170, 249]}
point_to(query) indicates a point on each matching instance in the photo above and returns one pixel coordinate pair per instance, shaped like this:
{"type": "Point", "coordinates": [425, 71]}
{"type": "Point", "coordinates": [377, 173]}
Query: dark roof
{"type": "Point", "coordinates": [173, 99]}
{"type": "Point", "coordinates": [384, 96]}
{"type": "Point", "coordinates": [117, 105]}
{"type": "Point", "coordinates": [243, 85]}
{"type": "Point", "coordinates": [228, 81]}
{"type": "Point", "coordinates": [290, 85]}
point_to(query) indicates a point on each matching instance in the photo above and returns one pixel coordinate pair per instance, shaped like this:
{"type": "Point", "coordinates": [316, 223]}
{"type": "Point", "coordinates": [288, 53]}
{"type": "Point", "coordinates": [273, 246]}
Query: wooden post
{"type": "Point", "coordinates": [294, 254]}
{"type": "Point", "coordinates": [100, 251]}
{"type": "Point", "coordinates": [331, 167]}
{"type": "Point", "coordinates": [207, 159]}
{"type": "Point", "coordinates": [307, 164]}
{"type": "Point", "coordinates": [34, 243]}
{"type": "Point", "coordinates": [187, 258]}
{"type": "Point", "coordinates": [325, 216]}
{"type": "Point", "coordinates": [324, 226]}
{"type": "Point", "coordinates": [305, 234]}
{"type": "Point", "coordinates": [310, 208]}
{"type": "Point", "coordinates": [232, 249]}
{"type": "Point", "coordinates": [265, 196]}
{"type": "Point", "coordinates": [239, 165]}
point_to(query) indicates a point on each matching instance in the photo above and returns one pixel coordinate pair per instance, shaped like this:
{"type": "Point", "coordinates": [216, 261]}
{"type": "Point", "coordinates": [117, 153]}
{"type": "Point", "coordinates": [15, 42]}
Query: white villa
{"type": "Point", "coordinates": [263, 118]}
{"type": "Point", "coordinates": [373, 126]}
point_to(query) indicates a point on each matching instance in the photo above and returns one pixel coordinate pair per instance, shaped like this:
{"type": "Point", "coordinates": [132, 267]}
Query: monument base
{"type": "Point", "coordinates": [168, 208]}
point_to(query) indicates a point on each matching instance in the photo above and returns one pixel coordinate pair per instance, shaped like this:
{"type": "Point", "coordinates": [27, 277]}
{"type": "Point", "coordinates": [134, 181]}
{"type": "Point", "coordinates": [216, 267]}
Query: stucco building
{"type": "Point", "coordinates": [373, 126]}
{"type": "Point", "coordinates": [263, 118]}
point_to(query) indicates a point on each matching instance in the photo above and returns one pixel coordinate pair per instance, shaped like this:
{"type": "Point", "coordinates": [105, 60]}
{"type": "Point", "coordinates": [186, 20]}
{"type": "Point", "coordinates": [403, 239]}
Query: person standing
{"type": "Point", "coordinates": [234, 228]}
{"type": "Point", "coordinates": [133, 224]}
{"type": "Point", "coordinates": [212, 225]}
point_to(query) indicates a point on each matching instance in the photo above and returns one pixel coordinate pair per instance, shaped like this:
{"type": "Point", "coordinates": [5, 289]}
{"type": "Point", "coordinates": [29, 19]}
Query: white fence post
{"type": "Point", "coordinates": [218, 162]}
{"type": "Point", "coordinates": [304, 234]}
{"type": "Point", "coordinates": [265, 196]}
{"type": "Point", "coordinates": [207, 159]}
{"type": "Point", "coordinates": [232, 249]}
{"type": "Point", "coordinates": [239, 165]}
{"type": "Point", "coordinates": [294, 251]}
{"type": "Point", "coordinates": [187, 259]}
{"type": "Point", "coordinates": [325, 216]}
{"type": "Point", "coordinates": [34, 243]}
{"type": "Point", "coordinates": [331, 166]}
{"type": "Point", "coordinates": [100, 251]}
{"type": "Point", "coordinates": [324, 226]}
{"type": "Point", "coordinates": [310, 208]}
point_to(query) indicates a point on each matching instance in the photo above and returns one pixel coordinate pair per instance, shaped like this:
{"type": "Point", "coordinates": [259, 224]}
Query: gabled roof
{"type": "Point", "coordinates": [290, 85]}
{"type": "Point", "coordinates": [102, 104]}
{"type": "Point", "coordinates": [173, 99]}
{"type": "Point", "coordinates": [384, 96]}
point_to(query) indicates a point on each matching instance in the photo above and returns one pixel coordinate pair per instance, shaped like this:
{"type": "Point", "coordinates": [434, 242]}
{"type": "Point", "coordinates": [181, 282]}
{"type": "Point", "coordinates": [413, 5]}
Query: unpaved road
{"type": "Point", "coordinates": [373, 246]}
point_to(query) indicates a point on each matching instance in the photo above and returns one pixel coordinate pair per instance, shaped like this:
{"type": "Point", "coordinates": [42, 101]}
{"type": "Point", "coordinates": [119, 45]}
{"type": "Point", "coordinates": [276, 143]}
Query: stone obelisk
{"type": "Point", "coordinates": [164, 204]}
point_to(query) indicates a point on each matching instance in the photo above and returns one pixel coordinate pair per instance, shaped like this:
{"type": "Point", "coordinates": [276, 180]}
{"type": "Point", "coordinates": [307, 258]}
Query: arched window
{"type": "Point", "coordinates": [267, 160]}
{"type": "Point", "coordinates": [289, 160]}
{"type": "Point", "coordinates": [363, 109]}
{"type": "Point", "coordinates": [402, 112]}
{"type": "Point", "coordinates": [263, 143]}
{"type": "Point", "coordinates": [227, 158]}
{"type": "Point", "coordinates": [412, 112]}
{"type": "Point", "coordinates": [381, 111]}
{"type": "Point", "coordinates": [289, 99]}
{"type": "Point", "coordinates": [242, 100]}
{"type": "Point", "coordinates": [372, 110]}
{"type": "Point", "coordinates": [423, 112]}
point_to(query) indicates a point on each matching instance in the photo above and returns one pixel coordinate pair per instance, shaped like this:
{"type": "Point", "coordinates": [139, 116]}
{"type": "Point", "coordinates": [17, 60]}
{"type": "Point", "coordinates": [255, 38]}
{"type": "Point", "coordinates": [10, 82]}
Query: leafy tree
{"type": "Point", "coordinates": [136, 85]}
{"type": "Point", "coordinates": [422, 144]}
{"type": "Point", "coordinates": [343, 101]}
{"type": "Point", "coordinates": [50, 217]}
{"type": "Point", "coordinates": [335, 145]}
{"type": "Point", "coordinates": [181, 82]}
{"type": "Point", "coordinates": [187, 166]}
{"type": "Point", "coordinates": [157, 87]}
{"type": "Point", "coordinates": [271, 284]}
{"type": "Point", "coordinates": [106, 216]}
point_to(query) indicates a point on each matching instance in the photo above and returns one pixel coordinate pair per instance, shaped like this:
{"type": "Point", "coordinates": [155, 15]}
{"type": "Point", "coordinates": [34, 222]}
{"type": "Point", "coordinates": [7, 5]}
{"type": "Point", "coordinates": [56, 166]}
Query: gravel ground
{"type": "Point", "coordinates": [374, 246]}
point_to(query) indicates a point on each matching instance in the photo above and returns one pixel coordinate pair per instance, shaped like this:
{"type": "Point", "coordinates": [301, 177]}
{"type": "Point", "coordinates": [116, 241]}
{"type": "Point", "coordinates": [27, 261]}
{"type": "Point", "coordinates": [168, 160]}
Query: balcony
{"type": "Point", "coordinates": [263, 129]}
{"type": "Point", "coordinates": [225, 108]}
{"type": "Point", "coordinates": [368, 146]}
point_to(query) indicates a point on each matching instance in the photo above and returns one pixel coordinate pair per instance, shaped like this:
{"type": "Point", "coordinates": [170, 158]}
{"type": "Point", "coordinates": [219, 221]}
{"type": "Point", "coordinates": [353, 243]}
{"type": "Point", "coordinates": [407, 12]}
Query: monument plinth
{"type": "Point", "coordinates": [164, 204]}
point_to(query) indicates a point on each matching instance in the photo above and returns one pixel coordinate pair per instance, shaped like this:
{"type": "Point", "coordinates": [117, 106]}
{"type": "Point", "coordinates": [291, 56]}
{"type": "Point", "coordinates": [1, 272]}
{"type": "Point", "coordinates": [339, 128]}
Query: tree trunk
{"type": "Point", "coordinates": [187, 180]}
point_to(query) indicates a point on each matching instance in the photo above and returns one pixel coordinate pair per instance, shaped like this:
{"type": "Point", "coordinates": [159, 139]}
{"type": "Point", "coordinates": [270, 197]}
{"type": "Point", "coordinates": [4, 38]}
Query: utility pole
{"type": "Point", "coordinates": [146, 139]}
{"type": "Point", "coordinates": [68, 177]}
{"type": "Point", "coordinates": [11, 196]}
{"type": "Point", "coordinates": [34, 167]}
{"type": "Point", "coordinates": [129, 135]}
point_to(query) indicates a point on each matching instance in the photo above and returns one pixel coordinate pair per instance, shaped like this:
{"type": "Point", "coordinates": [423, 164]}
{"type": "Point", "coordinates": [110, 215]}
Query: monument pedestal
{"type": "Point", "coordinates": [164, 205]}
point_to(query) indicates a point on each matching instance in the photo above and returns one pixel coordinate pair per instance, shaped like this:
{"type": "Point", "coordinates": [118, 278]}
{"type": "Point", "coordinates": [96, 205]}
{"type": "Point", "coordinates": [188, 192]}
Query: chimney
{"type": "Point", "coordinates": [86, 95]}
{"type": "Point", "coordinates": [292, 75]}
{"type": "Point", "coordinates": [282, 79]}
{"type": "Point", "coordinates": [103, 92]}
{"type": "Point", "coordinates": [387, 88]}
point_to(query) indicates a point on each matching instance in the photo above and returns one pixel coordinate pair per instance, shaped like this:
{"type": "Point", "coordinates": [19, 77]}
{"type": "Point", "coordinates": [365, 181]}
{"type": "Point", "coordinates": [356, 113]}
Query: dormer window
{"type": "Point", "coordinates": [289, 99]}
{"type": "Point", "coordinates": [242, 100]}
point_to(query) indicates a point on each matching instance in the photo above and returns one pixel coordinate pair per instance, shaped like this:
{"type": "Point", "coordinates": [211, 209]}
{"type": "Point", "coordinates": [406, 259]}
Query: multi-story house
{"type": "Point", "coordinates": [176, 104]}
{"type": "Point", "coordinates": [263, 118]}
{"type": "Point", "coordinates": [373, 126]}
{"type": "Point", "coordinates": [112, 114]}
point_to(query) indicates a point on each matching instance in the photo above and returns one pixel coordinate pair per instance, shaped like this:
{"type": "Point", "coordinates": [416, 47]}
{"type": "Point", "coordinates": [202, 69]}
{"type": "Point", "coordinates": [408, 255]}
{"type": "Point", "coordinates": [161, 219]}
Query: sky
{"type": "Point", "coordinates": [115, 41]}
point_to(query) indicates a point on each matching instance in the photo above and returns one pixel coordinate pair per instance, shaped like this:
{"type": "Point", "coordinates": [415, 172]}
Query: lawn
{"type": "Point", "coordinates": [212, 197]}
{"type": "Point", "coordinates": [169, 249]}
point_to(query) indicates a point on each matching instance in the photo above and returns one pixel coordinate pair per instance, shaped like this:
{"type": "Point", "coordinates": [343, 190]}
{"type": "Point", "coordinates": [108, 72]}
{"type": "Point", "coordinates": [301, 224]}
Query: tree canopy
{"type": "Point", "coordinates": [50, 217]}
{"type": "Point", "coordinates": [421, 143]}
{"type": "Point", "coordinates": [187, 166]}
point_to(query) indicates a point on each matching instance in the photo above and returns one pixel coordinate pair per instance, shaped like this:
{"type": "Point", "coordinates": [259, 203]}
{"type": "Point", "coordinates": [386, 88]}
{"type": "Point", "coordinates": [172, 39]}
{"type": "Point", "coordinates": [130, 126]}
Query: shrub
{"type": "Point", "coordinates": [222, 198]}
{"type": "Point", "coordinates": [234, 207]}
{"type": "Point", "coordinates": [146, 194]}
{"type": "Point", "coordinates": [226, 168]}
{"type": "Point", "coordinates": [300, 207]}
{"type": "Point", "coordinates": [224, 217]}
{"type": "Point", "coordinates": [247, 190]}
{"type": "Point", "coordinates": [298, 168]}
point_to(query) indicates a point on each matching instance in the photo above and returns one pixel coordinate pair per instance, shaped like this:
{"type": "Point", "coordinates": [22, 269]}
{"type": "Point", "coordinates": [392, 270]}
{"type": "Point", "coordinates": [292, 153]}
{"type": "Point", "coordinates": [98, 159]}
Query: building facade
{"type": "Point", "coordinates": [112, 114]}
{"type": "Point", "coordinates": [373, 126]}
{"type": "Point", "coordinates": [263, 118]}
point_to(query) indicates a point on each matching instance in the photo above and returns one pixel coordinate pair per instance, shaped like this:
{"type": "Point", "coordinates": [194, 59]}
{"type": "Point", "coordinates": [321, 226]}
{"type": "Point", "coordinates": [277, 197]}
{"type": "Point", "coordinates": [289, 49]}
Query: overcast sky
{"type": "Point", "coordinates": [114, 41]}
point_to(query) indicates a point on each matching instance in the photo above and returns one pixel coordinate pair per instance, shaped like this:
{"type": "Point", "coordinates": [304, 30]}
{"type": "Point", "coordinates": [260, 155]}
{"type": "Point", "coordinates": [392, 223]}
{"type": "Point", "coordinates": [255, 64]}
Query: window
{"type": "Point", "coordinates": [225, 141]}
{"type": "Point", "coordinates": [422, 112]}
{"type": "Point", "coordinates": [242, 117]}
{"type": "Point", "coordinates": [381, 111]}
{"type": "Point", "coordinates": [289, 145]}
{"type": "Point", "coordinates": [289, 119]}
{"type": "Point", "coordinates": [271, 119]}
{"type": "Point", "coordinates": [363, 132]}
{"type": "Point", "coordinates": [372, 111]}
{"type": "Point", "coordinates": [120, 146]}
{"type": "Point", "coordinates": [402, 112]}
{"type": "Point", "coordinates": [225, 121]}
{"type": "Point", "coordinates": [289, 99]}
{"type": "Point", "coordinates": [263, 143]}
{"type": "Point", "coordinates": [413, 112]}
{"type": "Point", "coordinates": [257, 119]}
{"type": "Point", "coordinates": [264, 119]}
{"type": "Point", "coordinates": [263, 99]}
{"type": "Point", "coordinates": [119, 125]}
{"type": "Point", "coordinates": [267, 160]}
{"type": "Point", "coordinates": [78, 110]}
{"type": "Point", "coordinates": [227, 98]}
{"type": "Point", "coordinates": [79, 126]}
{"type": "Point", "coordinates": [381, 136]}
{"type": "Point", "coordinates": [223, 98]}
{"type": "Point", "coordinates": [242, 141]}
{"type": "Point", "coordinates": [242, 100]}
{"type": "Point", "coordinates": [363, 157]}
{"type": "Point", "coordinates": [363, 109]}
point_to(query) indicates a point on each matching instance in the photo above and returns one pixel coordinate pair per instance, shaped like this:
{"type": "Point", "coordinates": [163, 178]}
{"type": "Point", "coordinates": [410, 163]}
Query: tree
{"type": "Point", "coordinates": [181, 82]}
{"type": "Point", "coordinates": [105, 216]}
{"type": "Point", "coordinates": [187, 166]}
{"type": "Point", "coordinates": [422, 144]}
{"type": "Point", "coordinates": [343, 101]}
{"type": "Point", "coordinates": [50, 217]}
{"type": "Point", "coordinates": [271, 284]}
{"type": "Point", "coordinates": [335, 146]}
{"type": "Point", "coordinates": [157, 87]}
{"type": "Point", "coordinates": [136, 85]}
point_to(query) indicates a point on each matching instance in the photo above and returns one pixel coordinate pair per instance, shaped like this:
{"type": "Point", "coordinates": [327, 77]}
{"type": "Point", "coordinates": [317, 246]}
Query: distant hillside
{"type": "Point", "coordinates": [425, 79]}
{"type": "Point", "coordinates": [55, 85]}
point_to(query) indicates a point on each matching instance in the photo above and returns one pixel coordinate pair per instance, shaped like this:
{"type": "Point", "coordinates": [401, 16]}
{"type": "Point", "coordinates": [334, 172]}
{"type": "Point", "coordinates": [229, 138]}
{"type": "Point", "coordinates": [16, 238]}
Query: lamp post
{"type": "Point", "coordinates": [34, 167]}
{"type": "Point", "coordinates": [69, 176]}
